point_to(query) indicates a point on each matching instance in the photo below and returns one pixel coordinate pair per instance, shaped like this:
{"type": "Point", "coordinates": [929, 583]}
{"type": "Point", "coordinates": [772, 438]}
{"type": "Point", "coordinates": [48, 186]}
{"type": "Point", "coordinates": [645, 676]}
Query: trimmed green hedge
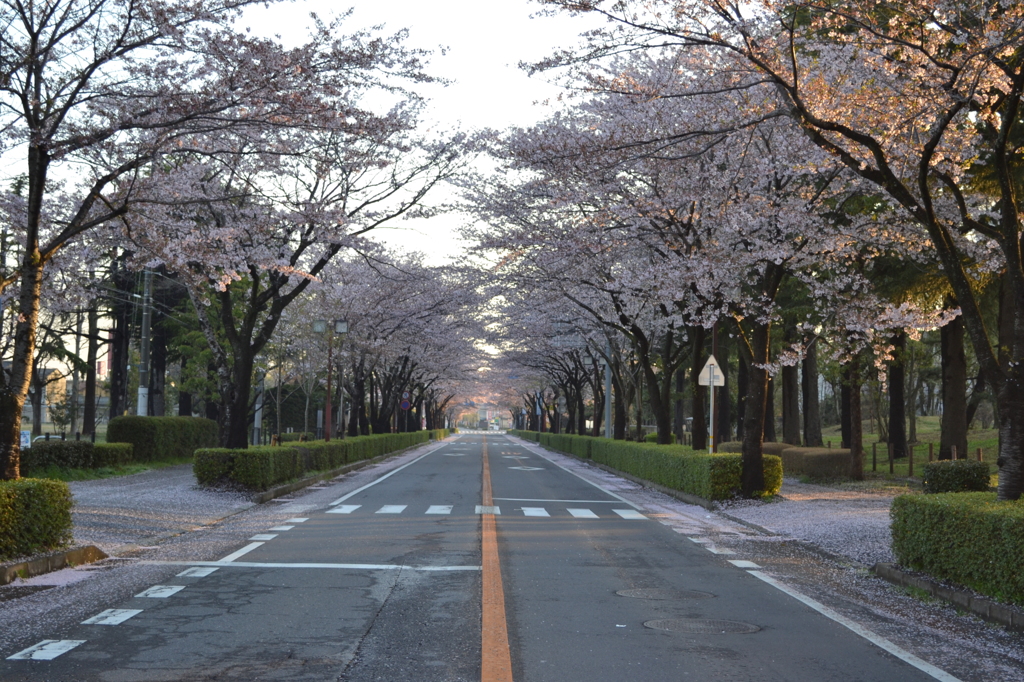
{"type": "Point", "coordinates": [653, 438]}
{"type": "Point", "coordinates": [35, 516]}
{"type": "Point", "coordinates": [968, 538]}
{"type": "Point", "coordinates": [712, 477]}
{"type": "Point", "coordinates": [112, 454]}
{"type": "Point", "coordinates": [259, 468]}
{"type": "Point", "coordinates": [956, 476]}
{"type": "Point", "coordinates": [73, 454]}
{"type": "Point", "coordinates": [163, 438]}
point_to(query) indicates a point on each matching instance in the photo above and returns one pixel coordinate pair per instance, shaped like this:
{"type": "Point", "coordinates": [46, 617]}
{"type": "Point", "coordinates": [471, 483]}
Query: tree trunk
{"type": "Point", "coordinates": [91, 355]}
{"type": "Point", "coordinates": [755, 413]}
{"type": "Point", "coordinates": [722, 397]}
{"type": "Point", "coordinates": [809, 387]}
{"type": "Point", "coordinates": [845, 402]}
{"type": "Point", "coordinates": [699, 424]}
{"type": "Point", "coordinates": [677, 416]}
{"type": "Point", "coordinates": [158, 366]}
{"type": "Point", "coordinates": [769, 409]}
{"type": "Point", "coordinates": [790, 395]}
{"type": "Point", "coordinates": [954, 389]}
{"type": "Point", "coordinates": [619, 410]}
{"type": "Point", "coordinates": [235, 389]}
{"type": "Point", "coordinates": [742, 391]}
{"type": "Point", "coordinates": [897, 396]}
{"type": "Point", "coordinates": [185, 399]}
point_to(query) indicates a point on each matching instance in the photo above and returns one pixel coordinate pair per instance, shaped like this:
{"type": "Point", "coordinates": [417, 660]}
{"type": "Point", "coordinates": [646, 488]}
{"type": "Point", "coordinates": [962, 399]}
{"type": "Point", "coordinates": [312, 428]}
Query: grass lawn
{"type": "Point", "coordinates": [62, 474]}
{"type": "Point", "coordinates": [877, 467]}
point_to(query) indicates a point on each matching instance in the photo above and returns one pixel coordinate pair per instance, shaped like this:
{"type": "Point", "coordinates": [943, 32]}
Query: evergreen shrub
{"type": "Point", "coordinates": [956, 476]}
{"type": "Point", "coordinates": [35, 516]}
{"type": "Point", "coordinates": [653, 438]}
{"type": "Point", "coordinates": [66, 454]}
{"type": "Point", "coordinates": [970, 539]}
{"type": "Point", "coordinates": [111, 454]}
{"type": "Point", "coordinates": [163, 438]}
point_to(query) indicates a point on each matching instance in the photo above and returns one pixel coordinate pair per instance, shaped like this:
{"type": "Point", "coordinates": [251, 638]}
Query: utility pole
{"type": "Point", "coordinates": [142, 408]}
{"type": "Point", "coordinates": [608, 390]}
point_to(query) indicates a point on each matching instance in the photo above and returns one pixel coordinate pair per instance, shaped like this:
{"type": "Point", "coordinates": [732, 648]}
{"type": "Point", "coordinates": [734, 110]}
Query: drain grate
{"type": "Point", "coordinates": [702, 626]}
{"type": "Point", "coordinates": [661, 593]}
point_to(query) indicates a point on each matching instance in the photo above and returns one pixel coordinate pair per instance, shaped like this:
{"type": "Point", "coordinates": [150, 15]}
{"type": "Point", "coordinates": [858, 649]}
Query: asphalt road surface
{"type": "Point", "coordinates": [480, 560]}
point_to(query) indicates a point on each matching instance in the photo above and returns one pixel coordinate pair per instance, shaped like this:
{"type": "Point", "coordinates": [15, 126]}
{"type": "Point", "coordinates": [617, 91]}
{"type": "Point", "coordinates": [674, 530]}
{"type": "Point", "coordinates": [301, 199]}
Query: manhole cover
{"type": "Point", "coordinates": [660, 593]}
{"type": "Point", "coordinates": [702, 626]}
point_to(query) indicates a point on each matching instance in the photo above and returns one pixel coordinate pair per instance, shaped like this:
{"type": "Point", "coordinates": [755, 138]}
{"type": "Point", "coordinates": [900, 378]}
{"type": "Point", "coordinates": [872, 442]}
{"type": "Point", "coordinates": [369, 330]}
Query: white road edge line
{"type": "Point", "coordinates": [387, 475]}
{"type": "Point", "coordinates": [537, 450]}
{"type": "Point", "coordinates": [364, 567]}
{"type": "Point", "coordinates": [242, 552]}
{"type": "Point", "coordinates": [877, 640]}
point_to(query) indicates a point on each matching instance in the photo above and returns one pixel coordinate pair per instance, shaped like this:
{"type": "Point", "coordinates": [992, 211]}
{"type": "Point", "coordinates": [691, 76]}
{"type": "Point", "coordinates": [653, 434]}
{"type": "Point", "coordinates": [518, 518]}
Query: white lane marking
{"type": "Point", "coordinates": [583, 513]}
{"type": "Point", "coordinates": [481, 509]}
{"type": "Point", "coordinates": [387, 475]}
{"type": "Point", "coordinates": [699, 541]}
{"type": "Point", "coordinates": [296, 520]}
{"type": "Point", "coordinates": [537, 450]}
{"type": "Point", "coordinates": [440, 509]}
{"type": "Point", "coordinates": [281, 529]}
{"type": "Point", "coordinates": [530, 499]}
{"type": "Point", "coordinates": [877, 640]}
{"type": "Point", "coordinates": [392, 509]}
{"type": "Point", "coordinates": [741, 563]}
{"type": "Point", "coordinates": [197, 572]}
{"type": "Point", "coordinates": [629, 513]}
{"type": "Point", "coordinates": [245, 550]}
{"type": "Point", "coordinates": [455, 454]}
{"type": "Point", "coordinates": [718, 550]}
{"type": "Point", "coordinates": [535, 511]}
{"type": "Point", "coordinates": [516, 456]}
{"type": "Point", "coordinates": [46, 650]}
{"type": "Point", "coordinates": [161, 591]}
{"type": "Point", "coordinates": [112, 617]}
{"type": "Point", "coordinates": [263, 537]}
{"type": "Point", "coordinates": [344, 509]}
{"type": "Point", "coordinates": [358, 567]}
{"type": "Point", "coordinates": [527, 468]}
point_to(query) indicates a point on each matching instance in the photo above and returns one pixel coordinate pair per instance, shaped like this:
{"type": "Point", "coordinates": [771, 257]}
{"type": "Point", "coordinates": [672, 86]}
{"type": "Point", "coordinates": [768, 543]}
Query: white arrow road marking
{"type": "Point", "coordinates": [112, 617]}
{"type": "Point", "coordinates": [161, 591]}
{"type": "Point", "coordinates": [46, 650]}
{"type": "Point", "coordinates": [344, 509]}
{"type": "Point", "coordinates": [583, 513]}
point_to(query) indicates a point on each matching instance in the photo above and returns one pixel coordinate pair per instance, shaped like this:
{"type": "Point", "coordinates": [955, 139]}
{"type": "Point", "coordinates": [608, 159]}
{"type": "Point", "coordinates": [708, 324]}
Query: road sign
{"type": "Point", "coordinates": [704, 378]}
{"type": "Point", "coordinates": [405, 405]}
{"type": "Point", "coordinates": [405, 395]}
{"type": "Point", "coordinates": [26, 440]}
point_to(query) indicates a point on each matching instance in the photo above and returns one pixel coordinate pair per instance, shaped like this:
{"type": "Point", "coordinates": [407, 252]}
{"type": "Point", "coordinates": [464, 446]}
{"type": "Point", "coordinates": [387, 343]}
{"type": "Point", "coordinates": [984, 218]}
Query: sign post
{"type": "Point", "coordinates": [710, 377]}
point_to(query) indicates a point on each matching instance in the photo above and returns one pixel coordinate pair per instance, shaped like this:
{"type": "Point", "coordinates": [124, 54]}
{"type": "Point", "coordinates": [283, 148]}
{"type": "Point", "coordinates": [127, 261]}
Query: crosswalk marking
{"type": "Point", "coordinates": [296, 520]}
{"type": "Point", "coordinates": [112, 617]}
{"type": "Point", "coordinates": [629, 513]}
{"type": "Point", "coordinates": [535, 511]}
{"type": "Point", "coordinates": [46, 650]}
{"type": "Point", "coordinates": [344, 509]}
{"type": "Point", "coordinates": [583, 513]}
{"type": "Point", "coordinates": [282, 528]}
{"type": "Point", "coordinates": [392, 509]}
{"type": "Point", "coordinates": [197, 572]}
{"type": "Point", "coordinates": [440, 509]}
{"type": "Point", "coordinates": [484, 509]}
{"type": "Point", "coordinates": [263, 537]}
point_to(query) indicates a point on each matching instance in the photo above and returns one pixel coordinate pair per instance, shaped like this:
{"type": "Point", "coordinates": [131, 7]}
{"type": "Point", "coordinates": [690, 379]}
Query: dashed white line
{"type": "Point", "coordinates": [197, 572]}
{"type": "Point", "coordinates": [161, 591]}
{"type": "Point", "coordinates": [245, 550]}
{"type": "Point", "coordinates": [583, 513]}
{"type": "Point", "coordinates": [46, 650]}
{"type": "Point", "coordinates": [358, 567]}
{"type": "Point", "coordinates": [440, 509]}
{"type": "Point", "coordinates": [281, 529]}
{"type": "Point", "coordinates": [629, 513]}
{"type": "Point", "coordinates": [112, 617]}
{"type": "Point", "coordinates": [263, 537]}
{"type": "Point", "coordinates": [298, 519]}
{"type": "Point", "coordinates": [718, 550]}
{"type": "Point", "coordinates": [392, 509]}
{"type": "Point", "coordinates": [741, 563]}
{"type": "Point", "coordinates": [344, 509]}
{"type": "Point", "coordinates": [535, 511]}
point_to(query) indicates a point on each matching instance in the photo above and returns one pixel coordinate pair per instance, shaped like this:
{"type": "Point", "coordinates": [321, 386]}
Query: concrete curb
{"type": "Point", "coordinates": [53, 561]}
{"type": "Point", "coordinates": [986, 609]}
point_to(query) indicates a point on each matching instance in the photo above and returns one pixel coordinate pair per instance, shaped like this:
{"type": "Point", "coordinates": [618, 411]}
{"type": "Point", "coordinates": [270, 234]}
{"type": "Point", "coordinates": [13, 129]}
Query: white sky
{"type": "Point", "coordinates": [484, 39]}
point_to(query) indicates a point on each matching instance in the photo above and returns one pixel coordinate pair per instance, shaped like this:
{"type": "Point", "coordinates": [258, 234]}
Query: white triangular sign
{"type": "Point", "coordinates": [704, 378]}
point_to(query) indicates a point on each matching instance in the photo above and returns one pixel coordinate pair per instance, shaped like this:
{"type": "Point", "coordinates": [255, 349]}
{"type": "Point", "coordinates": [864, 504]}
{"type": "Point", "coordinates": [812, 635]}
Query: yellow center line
{"type": "Point", "coordinates": [496, 661]}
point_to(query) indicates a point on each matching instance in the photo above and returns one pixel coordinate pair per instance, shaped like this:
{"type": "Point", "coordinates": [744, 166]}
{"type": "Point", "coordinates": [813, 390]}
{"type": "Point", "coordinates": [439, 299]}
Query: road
{"type": "Point", "coordinates": [479, 560]}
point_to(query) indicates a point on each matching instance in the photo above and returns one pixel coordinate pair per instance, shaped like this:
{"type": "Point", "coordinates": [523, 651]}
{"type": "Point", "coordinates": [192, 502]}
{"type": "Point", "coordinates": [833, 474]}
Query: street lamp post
{"type": "Point", "coordinates": [340, 327]}
{"type": "Point", "coordinates": [603, 362]}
